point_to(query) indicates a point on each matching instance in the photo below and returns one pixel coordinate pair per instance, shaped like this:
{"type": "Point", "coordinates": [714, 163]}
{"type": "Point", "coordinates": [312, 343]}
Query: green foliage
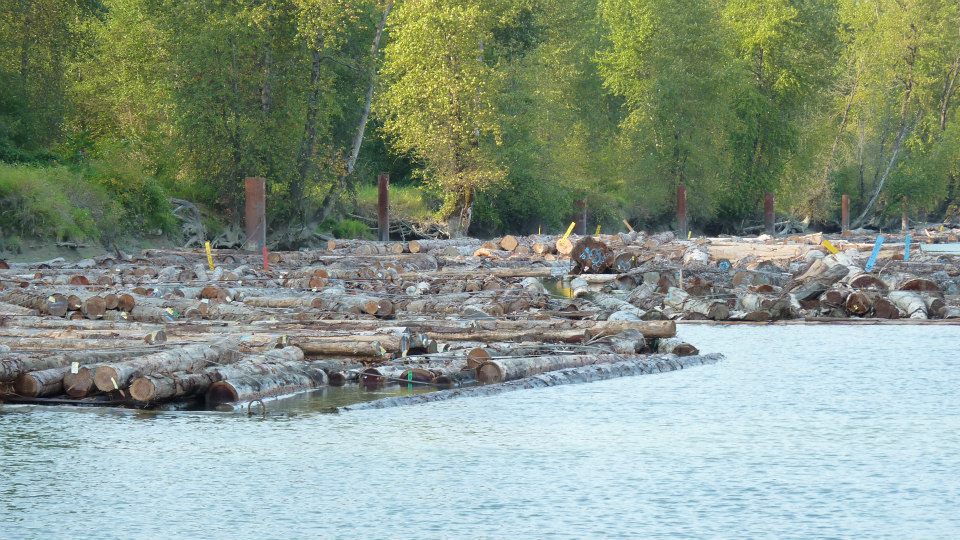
{"type": "Point", "coordinates": [144, 205]}
{"type": "Point", "coordinates": [406, 202]}
{"type": "Point", "coordinates": [36, 202]}
{"type": "Point", "coordinates": [349, 228]}
{"type": "Point", "coordinates": [500, 112]}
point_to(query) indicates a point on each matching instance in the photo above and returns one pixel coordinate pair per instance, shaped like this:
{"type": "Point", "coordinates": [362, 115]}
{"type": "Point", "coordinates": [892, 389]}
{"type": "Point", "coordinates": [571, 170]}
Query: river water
{"type": "Point", "coordinates": [802, 432]}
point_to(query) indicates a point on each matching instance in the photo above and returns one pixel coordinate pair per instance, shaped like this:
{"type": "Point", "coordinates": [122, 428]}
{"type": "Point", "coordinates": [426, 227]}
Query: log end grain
{"type": "Point", "coordinates": [106, 379]}
{"type": "Point", "coordinates": [143, 389]}
{"type": "Point", "coordinates": [490, 373]}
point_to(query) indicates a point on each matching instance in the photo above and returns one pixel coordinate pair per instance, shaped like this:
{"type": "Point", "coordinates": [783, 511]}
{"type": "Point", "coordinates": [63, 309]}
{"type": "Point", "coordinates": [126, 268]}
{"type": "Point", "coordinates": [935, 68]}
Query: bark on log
{"type": "Point", "coordinates": [164, 387]}
{"type": "Point", "coordinates": [910, 303]}
{"type": "Point", "coordinates": [629, 366]}
{"type": "Point", "coordinates": [509, 369]}
{"type": "Point", "coordinates": [192, 357]}
{"type": "Point", "coordinates": [682, 303]}
{"type": "Point", "coordinates": [268, 380]}
{"type": "Point", "coordinates": [811, 289]}
{"type": "Point", "coordinates": [54, 305]}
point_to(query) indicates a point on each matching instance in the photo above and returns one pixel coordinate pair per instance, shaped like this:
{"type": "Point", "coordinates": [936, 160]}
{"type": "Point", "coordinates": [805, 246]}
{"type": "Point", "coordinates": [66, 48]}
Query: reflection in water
{"type": "Point", "coordinates": [802, 432]}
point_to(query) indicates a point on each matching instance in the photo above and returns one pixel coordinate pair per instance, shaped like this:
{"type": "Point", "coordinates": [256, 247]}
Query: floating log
{"type": "Point", "coordinates": [164, 387]}
{"type": "Point", "coordinates": [508, 369]}
{"type": "Point", "coordinates": [910, 303]}
{"type": "Point", "coordinates": [626, 367]}
{"type": "Point", "coordinates": [269, 380]}
{"type": "Point", "coordinates": [117, 376]}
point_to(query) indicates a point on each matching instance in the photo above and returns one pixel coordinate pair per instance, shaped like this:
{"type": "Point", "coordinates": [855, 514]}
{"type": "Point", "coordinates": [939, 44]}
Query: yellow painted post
{"type": "Point", "coordinates": [830, 247]}
{"type": "Point", "coordinates": [569, 230]}
{"type": "Point", "coordinates": [209, 254]}
{"type": "Point", "coordinates": [598, 230]}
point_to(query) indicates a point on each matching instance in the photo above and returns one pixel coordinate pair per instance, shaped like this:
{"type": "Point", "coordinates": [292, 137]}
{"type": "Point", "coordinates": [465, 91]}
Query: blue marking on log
{"type": "Point", "coordinates": [906, 247]}
{"type": "Point", "coordinates": [872, 261]}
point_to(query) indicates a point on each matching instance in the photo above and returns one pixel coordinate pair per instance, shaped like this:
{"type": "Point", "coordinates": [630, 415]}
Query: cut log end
{"type": "Point", "coordinates": [221, 392]}
{"type": "Point", "coordinates": [105, 379]}
{"type": "Point", "coordinates": [490, 373]}
{"type": "Point", "coordinates": [143, 390]}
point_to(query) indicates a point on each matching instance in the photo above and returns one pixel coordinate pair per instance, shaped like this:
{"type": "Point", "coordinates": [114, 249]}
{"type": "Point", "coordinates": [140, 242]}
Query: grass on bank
{"type": "Point", "coordinates": [100, 201]}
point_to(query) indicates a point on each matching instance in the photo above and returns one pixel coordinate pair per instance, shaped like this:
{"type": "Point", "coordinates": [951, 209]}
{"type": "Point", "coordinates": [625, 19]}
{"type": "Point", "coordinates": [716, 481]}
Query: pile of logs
{"type": "Point", "coordinates": [166, 328]}
{"type": "Point", "coordinates": [753, 280]}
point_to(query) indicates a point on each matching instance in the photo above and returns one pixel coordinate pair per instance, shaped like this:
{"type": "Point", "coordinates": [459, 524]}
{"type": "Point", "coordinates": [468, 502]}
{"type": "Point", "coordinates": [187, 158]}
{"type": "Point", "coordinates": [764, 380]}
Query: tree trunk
{"type": "Point", "coordinates": [330, 200]}
{"type": "Point", "coordinates": [309, 140]}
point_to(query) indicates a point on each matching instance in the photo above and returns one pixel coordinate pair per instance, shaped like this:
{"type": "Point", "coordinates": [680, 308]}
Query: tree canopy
{"type": "Point", "coordinates": [501, 115]}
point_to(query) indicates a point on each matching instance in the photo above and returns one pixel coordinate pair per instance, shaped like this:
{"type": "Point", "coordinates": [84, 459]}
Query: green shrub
{"type": "Point", "coordinates": [406, 202]}
{"type": "Point", "coordinates": [351, 228]}
{"type": "Point", "coordinates": [144, 205]}
{"type": "Point", "coordinates": [34, 202]}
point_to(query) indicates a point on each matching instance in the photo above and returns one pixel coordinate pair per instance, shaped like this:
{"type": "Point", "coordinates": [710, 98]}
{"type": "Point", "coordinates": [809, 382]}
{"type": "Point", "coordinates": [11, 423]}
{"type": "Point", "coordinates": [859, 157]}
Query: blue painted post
{"type": "Point", "coordinates": [906, 247]}
{"type": "Point", "coordinates": [872, 261]}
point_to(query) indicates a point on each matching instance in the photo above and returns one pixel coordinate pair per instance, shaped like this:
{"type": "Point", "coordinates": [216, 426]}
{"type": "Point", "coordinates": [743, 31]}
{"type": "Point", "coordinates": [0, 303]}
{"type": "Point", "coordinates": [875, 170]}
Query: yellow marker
{"type": "Point", "coordinates": [209, 255]}
{"type": "Point", "coordinates": [627, 223]}
{"type": "Point", "coordinates": [689, 235]}
{"type": "Point", "coordinates": [830, 247]}
{"type": "Point", "coordinates": [598, 231]}
{"type": "Point", "coordinates": [569, 230]}
{"type": "Point", "coordinates": [539, 228]}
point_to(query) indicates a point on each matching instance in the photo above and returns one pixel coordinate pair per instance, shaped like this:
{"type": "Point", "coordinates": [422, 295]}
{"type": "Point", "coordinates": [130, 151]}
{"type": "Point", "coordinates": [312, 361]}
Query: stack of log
{"type": "Point", "coordinates": [657, 277]}
{"type": "Point", "coordinates": [164, 327]}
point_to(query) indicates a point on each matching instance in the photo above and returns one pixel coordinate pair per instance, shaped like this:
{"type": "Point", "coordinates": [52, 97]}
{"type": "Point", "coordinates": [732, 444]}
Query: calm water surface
{"type": "Point", "coordinates": [802, 432]}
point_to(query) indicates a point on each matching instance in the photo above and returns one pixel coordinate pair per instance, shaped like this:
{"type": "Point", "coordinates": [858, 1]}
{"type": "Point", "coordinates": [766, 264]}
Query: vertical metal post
{"type": "Point", "coordinates": [255, 218]}
{"type": "Point", "coordinates": [768, 214]}
{"type": "Point", "coordinates": [383, 207]}
{"type": "Point", "coordinates": [583, 219]}
{"type": "Point", "coordinates": [581, 216]}
{"type": "Point", "coordinates": [904, 219]}
{"type": "Point", "coordinates": [844, 213]}
{"type": "Point", "coordinates": [682, 210]}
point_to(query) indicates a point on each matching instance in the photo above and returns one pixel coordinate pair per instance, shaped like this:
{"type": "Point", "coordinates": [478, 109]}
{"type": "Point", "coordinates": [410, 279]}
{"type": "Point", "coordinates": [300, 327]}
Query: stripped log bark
{"type": "Point", "coordinates": [910, 303]}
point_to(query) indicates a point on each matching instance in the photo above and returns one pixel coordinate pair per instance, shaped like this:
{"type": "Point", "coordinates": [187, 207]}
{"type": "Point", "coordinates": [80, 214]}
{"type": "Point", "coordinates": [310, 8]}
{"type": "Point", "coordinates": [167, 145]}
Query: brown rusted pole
{"type": "Point", "coordinates": [682, 210]}
{"type": "Point", "coordinates": [844, 213]}
{"type": "Point", "coordinates": [904, 218]}
{"type": "Point", "coordinates": [383, 207]}
{"type": "Point", "coordinates": [583, 220]}
{"type": "Point", "coordinates": [768, 215]}
{"type": "Point", "coordinates": [255, 213]}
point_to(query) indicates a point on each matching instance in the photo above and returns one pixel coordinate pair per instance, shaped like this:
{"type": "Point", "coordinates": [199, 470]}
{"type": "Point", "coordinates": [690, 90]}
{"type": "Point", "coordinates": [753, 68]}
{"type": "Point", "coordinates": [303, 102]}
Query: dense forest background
{"type": "Point", "coordinates": [490, 115]}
